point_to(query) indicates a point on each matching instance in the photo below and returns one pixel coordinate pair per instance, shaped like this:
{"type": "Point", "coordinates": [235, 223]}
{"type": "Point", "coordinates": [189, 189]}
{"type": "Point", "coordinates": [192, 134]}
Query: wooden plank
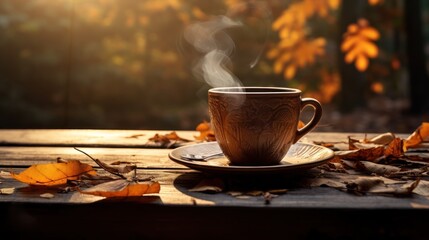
{"type": "Point", "coordinates": [176, 185]}
{"type": "Point", "coordinates": [118, 138]}
{"type": "Point", "coordinates": [143, 158]}
{"type": "Point", "coordinates": [84, 138]}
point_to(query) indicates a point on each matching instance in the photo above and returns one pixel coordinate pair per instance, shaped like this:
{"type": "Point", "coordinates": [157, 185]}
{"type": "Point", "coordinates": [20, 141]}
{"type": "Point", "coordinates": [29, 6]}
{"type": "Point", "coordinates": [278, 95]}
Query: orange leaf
{"type": "Point", "coordinates": [361, 63]}
{"type": "Point", "coordinates": [358, 46]}
{"type": "Point", "coordinates": [53, 174]}
{"type": "Point", "coordinates": [123, 188]}
{"type": "Point", "coordinates": [418, 136]}
{"type": "Point", "coordinates": [206, 132]}
{"type": "Point", "coordinates": [167, 138]}
{"type": "Point", "coordinates": [395, 148]}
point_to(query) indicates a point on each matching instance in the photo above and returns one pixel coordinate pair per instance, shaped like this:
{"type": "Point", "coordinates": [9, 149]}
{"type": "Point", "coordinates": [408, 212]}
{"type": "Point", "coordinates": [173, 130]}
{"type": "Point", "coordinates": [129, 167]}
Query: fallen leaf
{"type": "Point", "coordinates": [206, 132]}
{"type": "Point", "coordinates": [370, 154]}
{"type": "Point", "coordinates": [123, 188]}
{"type": "Point", "coordinates": [395, 148]}
{"type": "Point", "coordinates": [422, 188]}
{"type": "Point", "coordinates": [364, 184]}
{"type": "Point", "coordinates": [52, 174]}
{"type": "Point", "coordinates": [418, 136]}
{"type": "Point", "coordinates": [210, 185]}
{"type": "Point", "coordinates": [355, 144]}
{"type": "Point", "coordinates": [168, 140]}
{"type": "Point", "coordinates": [116, 170]}
{"type": "Point", "coordinates": [382, 139]}
{"type": "Point", "coordinates": [333, 183]}
{"type": "Point", "coordinates": [47, 195]}
{"type": "Point", "coordinates": [175, 137]}
{"type": "Point", "coordinates": [379, 169]}
{"type": "Point", "coordinates": [7, 191]}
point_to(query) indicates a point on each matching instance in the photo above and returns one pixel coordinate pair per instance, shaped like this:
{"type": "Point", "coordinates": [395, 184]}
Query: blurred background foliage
{"type": "Point", "coordinates": [123, 64]}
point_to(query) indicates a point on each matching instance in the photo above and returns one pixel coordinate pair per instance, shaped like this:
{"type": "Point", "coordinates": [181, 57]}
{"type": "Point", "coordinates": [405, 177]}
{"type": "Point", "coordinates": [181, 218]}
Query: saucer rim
{"type": "Point", "coordinates": [280, 168]}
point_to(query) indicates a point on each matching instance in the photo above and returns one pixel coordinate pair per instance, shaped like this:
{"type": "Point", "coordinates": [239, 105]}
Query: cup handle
{"type": "Point", "coordinates": [313, 122]}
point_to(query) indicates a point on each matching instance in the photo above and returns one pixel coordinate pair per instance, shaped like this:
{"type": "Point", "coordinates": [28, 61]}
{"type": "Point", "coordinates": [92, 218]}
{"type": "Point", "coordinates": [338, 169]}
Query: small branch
{"type": "Point", "coordinates": [101, 164]}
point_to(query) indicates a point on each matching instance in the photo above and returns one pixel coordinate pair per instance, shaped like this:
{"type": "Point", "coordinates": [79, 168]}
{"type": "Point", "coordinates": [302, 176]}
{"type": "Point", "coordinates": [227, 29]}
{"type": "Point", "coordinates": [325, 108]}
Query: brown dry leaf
{"type": "Point", "coordinates": [379, 169]}
{"type": "Point", "coordinates": [157, 138]}
{"type": "Point", "coordinates": [333, 183]}
{"type": "Point", "coordinates": [52, 174]}
{"type": "Point", "coordinates": [364, 184]}
{"type": "Point", "coordinates": [395, 148]}
{"type": "Point", "coordinates": [358, 45]}
{"type": "Point", "coordinates": [370, 154]}
{"type": "Point", "coordinates": [209, 185]}
{"type": "Point", "coordinates": [206, 132]}
{"type": "Point", "coordinates": [355, 144]}
{"type": "Point", "coordinates": [173, 136]}
{"type": "Point", "coordinates": [116, 169]}
{"type": "Point", "coordinates": [382, 139]}
{"type": "Point", "coordinates": [352, 144]}
{"type": "Point", "coordinates": [123, 188]}
{"type": "Point", "coordinates": [418, 136]}
{"type": "Point", "coordinates": [422, 188]}
{"type": "Point", "coordinates": [168, 140]}
{"type": "Point", "coordinates": [7, 191]}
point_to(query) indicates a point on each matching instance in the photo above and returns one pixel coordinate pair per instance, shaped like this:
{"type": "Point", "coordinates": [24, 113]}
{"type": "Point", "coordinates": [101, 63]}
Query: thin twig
{"type": "Point", "coordinates": [101, 164]}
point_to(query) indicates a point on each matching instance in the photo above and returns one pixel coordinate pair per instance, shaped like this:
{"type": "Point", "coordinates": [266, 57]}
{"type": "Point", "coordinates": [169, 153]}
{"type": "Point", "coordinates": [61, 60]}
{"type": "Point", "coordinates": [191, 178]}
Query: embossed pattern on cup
{"type": "Point", "coordinates": [256, 126]}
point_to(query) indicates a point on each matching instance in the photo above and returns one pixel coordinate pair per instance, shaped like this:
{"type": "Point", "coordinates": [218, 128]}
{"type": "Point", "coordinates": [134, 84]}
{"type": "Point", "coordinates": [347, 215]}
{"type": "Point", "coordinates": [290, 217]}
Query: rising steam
{"type": "Point", "coordinates": [210, 39]}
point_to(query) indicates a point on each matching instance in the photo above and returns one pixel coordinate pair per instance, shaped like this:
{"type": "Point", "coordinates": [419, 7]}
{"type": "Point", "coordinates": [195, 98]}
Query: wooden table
{"type": "Point", "coordinates": [176, 212]}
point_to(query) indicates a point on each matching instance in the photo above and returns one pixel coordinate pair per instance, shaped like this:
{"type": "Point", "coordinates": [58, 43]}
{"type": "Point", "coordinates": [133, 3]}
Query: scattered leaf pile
{"type": "Point", "coordinates": [384, 164]}
{"type": "Point", "coordinates": [73, 175]}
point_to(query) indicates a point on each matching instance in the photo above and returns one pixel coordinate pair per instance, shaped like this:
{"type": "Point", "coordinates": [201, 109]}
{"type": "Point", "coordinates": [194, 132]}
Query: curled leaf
{"type": "Point", "coordinates": [52, 174]}
{"type": "Point", "coordinates": [123, 188]}
{"type": "Point", "coordinates": [370, 154]}
{"type": "Point", "coordinates": [418, 136]}
{"type": "Point", "coordinates": [365, 184]}
{"type": "Point", "coordinates": [379, 169]}
{"type": "Point", "coordinates": [395, 148]}
{"type": "Point", "coordinates": [382, 139]}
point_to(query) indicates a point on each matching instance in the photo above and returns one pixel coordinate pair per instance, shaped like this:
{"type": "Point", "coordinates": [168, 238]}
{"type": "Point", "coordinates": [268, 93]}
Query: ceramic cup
{"type": "Point", "coordinates": [256, 126]}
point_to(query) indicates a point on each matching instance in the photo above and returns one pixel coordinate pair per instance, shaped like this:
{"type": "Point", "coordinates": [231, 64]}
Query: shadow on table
{"type": "Point", "coordinates": [203, 186]}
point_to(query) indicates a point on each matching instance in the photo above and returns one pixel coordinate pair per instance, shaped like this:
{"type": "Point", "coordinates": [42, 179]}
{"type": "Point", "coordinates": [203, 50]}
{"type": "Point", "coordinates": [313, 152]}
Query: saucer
{"type": "Point", "coordinates": [301, 156]}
